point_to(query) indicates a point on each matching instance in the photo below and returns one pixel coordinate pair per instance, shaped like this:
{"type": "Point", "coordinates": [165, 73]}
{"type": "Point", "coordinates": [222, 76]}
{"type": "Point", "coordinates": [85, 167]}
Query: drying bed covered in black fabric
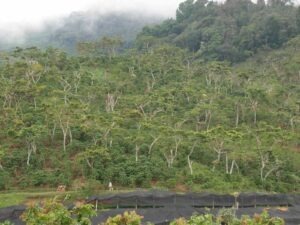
{"type": "Point", "coordinates": [161, 207]}
{"type": "Point", "coordinates": [154, 199]}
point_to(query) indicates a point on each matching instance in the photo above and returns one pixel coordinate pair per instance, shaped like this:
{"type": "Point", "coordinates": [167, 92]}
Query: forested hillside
{"type": "Point", "coordinates": [158, 115]}
{"type": "Point", "coordinates": [232, 31]}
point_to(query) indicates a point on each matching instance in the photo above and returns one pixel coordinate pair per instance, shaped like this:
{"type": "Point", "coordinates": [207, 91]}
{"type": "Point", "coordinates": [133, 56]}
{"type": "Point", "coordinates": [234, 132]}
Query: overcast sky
{"type": "Point", "coordinates": [35, 11]}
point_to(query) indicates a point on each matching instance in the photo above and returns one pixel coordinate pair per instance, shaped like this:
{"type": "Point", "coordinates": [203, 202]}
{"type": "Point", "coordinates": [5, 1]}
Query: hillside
{"type": "Point", "coordinates": [232, 31]}
{"type": "Point", "coordinates": [83, 26]}
{"type": "Point", "coordinates": [157, 115]}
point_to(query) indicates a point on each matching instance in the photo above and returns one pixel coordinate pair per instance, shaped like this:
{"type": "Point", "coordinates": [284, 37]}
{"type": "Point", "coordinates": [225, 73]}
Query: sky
{"type": "Point", "coordinates": [34, 12]}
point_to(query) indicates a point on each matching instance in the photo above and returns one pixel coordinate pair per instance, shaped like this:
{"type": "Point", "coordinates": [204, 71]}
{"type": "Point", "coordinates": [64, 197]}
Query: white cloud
{"type": "Point", "coordinates": [33, 12]}
{"type": "Point", "coordinates": [20, 16]}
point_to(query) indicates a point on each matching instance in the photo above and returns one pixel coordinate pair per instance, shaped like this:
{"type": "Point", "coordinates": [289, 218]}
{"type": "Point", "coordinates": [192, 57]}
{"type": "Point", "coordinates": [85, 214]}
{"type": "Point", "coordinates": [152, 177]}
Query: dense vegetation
{"type": "Point", "coordinates": [157, 115]}
{"type": "Point", "coordinates": [231, 31]}
{"type": "Point", "coordinates": [53, 212]}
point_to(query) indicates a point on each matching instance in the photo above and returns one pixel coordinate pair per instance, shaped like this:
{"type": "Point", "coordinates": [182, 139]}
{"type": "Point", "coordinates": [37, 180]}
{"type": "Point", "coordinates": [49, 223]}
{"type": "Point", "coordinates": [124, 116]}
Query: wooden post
{"type": "Point", "coordinates": [136, 204]}
{"type": "Point", "coordinates": [96, 205]}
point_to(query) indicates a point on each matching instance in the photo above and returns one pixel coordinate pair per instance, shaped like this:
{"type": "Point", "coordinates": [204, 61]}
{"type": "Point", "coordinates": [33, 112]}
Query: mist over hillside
{"type": "Point", "coordinates": [81, 26]}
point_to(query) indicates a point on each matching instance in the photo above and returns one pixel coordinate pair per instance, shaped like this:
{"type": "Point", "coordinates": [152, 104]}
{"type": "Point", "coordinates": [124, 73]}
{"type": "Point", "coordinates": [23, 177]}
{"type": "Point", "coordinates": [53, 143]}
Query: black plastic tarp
{"type": "Point", "coordinates": [161, 207]}
{"type": "Point", "coordinates": [163, 198]}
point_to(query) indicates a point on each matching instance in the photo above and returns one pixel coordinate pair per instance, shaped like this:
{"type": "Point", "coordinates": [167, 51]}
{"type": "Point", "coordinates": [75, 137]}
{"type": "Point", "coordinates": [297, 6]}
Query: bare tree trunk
{"type": "Point", "coordinates": [35, 105]}
{"type": "Point", "coordinates": [89, 163]}
{"type": "Point", "coordinates": [152, 144]}
{"type": "Point", "coordinates": [198, 122]}
{"type": "Point", "coordinates": [219, 150]}
{"type": "Point", "coordinates": [208, 78]}
{"type": "Point", "coordinates": [264, 159]}
{"type": "Point", "coordinates": [233, 164]}
{"type": "Point", "coordinates": [173, 153]}
{"type": "Point", "coordinates": [292, 123]}
{"type": "Point", "coordinates": [70, 135]}
{"type": "Point", "coordinates": [207, 118]}
{"type": "Point", "coordinates": [65, 139]}
{"type": "Point", "coordinates": [77, 80]}
{"type": "Point", "coordinates": [137, 150]}
{"type": "Point", "coordinates": [65, 130]}
{"type": "Point", "coordinates": [269, 172]}
{"type": "Point", "coordinates": [53, 132]}
{"type": "Point", "coordinates": [153, 114]}
{"type": "Point", "coordinates": [254, 105]}
{"type": "Point", "coordinates": [67, 87]}
{"type": "Point", "coordinates": [170, 158]}
{"type": "Point", "coordinates": [237, 117]}
{"type": "Point", "coordinates": [31, 148]}
{"type": "Point", "coordinates": [226, 163]}
{"type": "Point", "coordinates": [141, 108]}
{"type": "Point", "coordinates": [105, 136]}
{"type": "Point", "coordinates": [29, 151]}
{"type": "Point", "coordinates": [190, 163]}
{"type": "Point", "coordinates": [111, 102]}
{"type": "Point", "coordinates": [263, 165]}
{"type": "Point", "coordinates": [95, 140]}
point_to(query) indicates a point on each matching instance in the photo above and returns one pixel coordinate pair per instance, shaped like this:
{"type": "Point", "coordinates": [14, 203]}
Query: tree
{"type": "Point", "coordinates": [2, 154]}
{"type": "Point", "coordinates": [184, 10]}
{"type": "Point", "coordinates": [107, 46]}
{"type": "Point", "coordinates": [271, 31]}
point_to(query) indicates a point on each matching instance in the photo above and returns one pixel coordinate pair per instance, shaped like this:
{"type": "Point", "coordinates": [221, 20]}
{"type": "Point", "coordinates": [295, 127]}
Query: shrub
{"type": "Point", "coordinates": [262, 219]}
{"type": "Point", "coordinates": [52, 212]}
{"type": "Point", "coordinates": [4, 180]}
{"type": "Point", "coordinates": [128, 218]}
{"type": "Point", "coordinates": [227, 217]}
{"type": "Point", "coordinates": [6, 223]}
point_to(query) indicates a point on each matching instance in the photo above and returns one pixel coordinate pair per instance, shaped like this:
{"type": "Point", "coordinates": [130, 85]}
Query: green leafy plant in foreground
{"type": "Point", "coordinates": [52, 212]}
{"type": "Point", "coordinates": [226, 217]}
{"type": "Point", "coordinates": [128, 218]}
{"type": "Point", "coordinates": [262, 219]}
{"type": "Point", "coordinates": [6, 223]}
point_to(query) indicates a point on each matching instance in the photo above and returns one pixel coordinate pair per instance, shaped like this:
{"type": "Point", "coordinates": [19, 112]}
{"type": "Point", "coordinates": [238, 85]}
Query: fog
{"type": "Point", "coordinates": [20, 16]}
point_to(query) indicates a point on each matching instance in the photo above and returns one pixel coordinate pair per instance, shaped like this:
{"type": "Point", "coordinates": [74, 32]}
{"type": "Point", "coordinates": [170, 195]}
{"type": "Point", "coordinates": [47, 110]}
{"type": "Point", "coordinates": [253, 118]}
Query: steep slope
{"type": "Point", "coordinates": [156, 117]}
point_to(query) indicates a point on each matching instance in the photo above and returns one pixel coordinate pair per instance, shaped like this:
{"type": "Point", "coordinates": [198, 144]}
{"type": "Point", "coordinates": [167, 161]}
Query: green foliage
{"type": "Point", "coordinates": [128, 218]}
{"type": "Point", "coordinates": [231, 31]}
{"type": "Point", "coordinates": [226, 217]}
{"type": "Point", "coordinates": [4, 180]}
{"type": "Point", "coordinates": [154, 116]}
{"type": "Point", "coordinates": [6, 223]}
{"type": "Point", "coordinates": [52, 212]}
{"type": "Point", "coordinates": [262, 219]}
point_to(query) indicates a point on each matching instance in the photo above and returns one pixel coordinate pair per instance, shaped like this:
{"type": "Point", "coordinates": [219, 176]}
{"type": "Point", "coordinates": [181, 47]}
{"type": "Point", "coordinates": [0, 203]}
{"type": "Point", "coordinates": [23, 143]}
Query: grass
{"type": "Point", "coordinates": [18, 198]}
{"type": "Point", "coordinates": [9, 199]}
